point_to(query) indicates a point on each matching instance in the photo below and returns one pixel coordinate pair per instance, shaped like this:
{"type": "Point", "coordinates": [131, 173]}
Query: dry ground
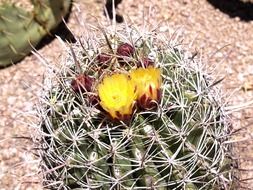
{"type": "Point", "coordinates": [227, 44]}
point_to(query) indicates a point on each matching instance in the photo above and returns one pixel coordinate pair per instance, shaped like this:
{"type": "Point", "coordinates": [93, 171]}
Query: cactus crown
{"type": "Point", "coordinates": [176, 141]}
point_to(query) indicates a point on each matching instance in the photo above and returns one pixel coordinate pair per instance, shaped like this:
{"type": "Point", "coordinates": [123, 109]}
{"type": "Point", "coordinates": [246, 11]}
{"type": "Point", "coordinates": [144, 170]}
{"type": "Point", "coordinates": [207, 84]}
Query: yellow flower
{"type": "Point", "coordinates": [117, 95]}
{"type": "Point", "coordinates": [148, 82]}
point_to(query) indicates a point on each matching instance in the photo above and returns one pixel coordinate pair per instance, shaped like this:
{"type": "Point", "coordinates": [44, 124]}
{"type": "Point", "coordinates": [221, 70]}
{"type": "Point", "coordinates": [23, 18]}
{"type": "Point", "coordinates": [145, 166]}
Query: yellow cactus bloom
{"type": "Point", "coordinates": [148, 82]}
{"type": "Point", "coordinates": [117, 95]}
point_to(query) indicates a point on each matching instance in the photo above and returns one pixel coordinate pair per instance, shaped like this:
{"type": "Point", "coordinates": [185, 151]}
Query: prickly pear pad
{"type": "Point", "coordinates": [91, 142]}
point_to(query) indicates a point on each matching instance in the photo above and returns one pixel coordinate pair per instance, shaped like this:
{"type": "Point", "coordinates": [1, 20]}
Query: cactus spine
{"type": "Point", "coordinates": [21, 29]}
{"type": "Point", "coordinates": [175, 139]}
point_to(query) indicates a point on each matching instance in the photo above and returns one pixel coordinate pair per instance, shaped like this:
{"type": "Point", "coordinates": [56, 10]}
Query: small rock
{"type": "Point", "coordinates": [11, 100]}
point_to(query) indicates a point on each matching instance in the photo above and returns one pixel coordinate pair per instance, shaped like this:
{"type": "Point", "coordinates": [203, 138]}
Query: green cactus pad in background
{"type": "Point", "coordinates": [175, 140]}
{"type": "Point", "coordinates": [21, 29]}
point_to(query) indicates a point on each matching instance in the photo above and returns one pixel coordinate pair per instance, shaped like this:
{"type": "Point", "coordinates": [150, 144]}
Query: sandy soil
{"type": "Point", "coordinates": [226, 43]}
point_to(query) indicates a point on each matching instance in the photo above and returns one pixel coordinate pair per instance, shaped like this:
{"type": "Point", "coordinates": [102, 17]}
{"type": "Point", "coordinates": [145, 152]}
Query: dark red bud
{"type": "Point", "coordinates": [146, 103]}
{"type": "Point", "coordinates": [94, 100]}
{"type": "Point", "coordinates": [145, 63]}
{"type": "Point", "coordinates": [82, 83]}
{"type": "Point", "coordinates": [125, 50]}
{"type": "Point", "coordinates": [103, 58]}
{"type": "Point", "coordinates": [124, 117]}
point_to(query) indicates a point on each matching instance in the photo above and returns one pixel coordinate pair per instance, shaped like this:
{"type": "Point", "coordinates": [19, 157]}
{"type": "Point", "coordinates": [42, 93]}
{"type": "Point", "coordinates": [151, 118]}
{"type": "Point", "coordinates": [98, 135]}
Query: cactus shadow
{"type": "Point", "coordinates": [235, 8]}
{"type": "Point", "coordinates": [109, 10]}
{"type": "Point", "coordinates": [62, 31]}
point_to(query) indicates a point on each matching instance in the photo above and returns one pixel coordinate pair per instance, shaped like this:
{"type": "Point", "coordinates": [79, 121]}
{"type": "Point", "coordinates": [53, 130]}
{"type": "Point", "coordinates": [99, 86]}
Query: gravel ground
{"type": "Point", "coordinates": [225, 43]}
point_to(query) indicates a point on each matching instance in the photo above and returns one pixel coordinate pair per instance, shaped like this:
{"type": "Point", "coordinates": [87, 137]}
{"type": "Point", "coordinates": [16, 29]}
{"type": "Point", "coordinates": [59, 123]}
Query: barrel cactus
{"type": "Point", "coordinates": [133, 110]}
{"type": "Point", "coordinates": [21, 29]}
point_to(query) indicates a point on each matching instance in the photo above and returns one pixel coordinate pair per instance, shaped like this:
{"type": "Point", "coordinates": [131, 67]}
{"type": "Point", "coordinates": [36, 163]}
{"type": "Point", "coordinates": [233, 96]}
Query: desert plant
{"type": "Point", "coordinates": [20, 30]}
{"type": "Point", "coordinates": [133, 110]}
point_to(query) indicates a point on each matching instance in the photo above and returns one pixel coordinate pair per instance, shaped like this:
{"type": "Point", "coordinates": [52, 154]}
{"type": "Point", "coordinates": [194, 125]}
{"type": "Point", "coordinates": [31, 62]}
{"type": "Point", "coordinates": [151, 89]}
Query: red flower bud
{"type": "Point", "coordinates": [124, 118]}
{"type": "Point", "coordinates": [103, 58]}
{"type": "Point", "coordinates": [125, 50]}
{"type": "Point", "coordinates": [146, 103]}
{"type": "Point", "coordinates": [82, 83]}
{"type": "Point", "coordinates": [94, 100]}
{"type": "Point", "coordinates": [145, 63]}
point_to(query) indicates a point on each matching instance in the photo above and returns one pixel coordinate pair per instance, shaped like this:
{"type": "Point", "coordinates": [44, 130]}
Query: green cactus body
{"type": "Point", "coordinates": [18, 33]}
{"type": "Point", "coordinates": [21, 30]}
{"type": "Point", "coordinates": [179, 144]}
{"type": "Point", "coordinates": [49, 13]}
